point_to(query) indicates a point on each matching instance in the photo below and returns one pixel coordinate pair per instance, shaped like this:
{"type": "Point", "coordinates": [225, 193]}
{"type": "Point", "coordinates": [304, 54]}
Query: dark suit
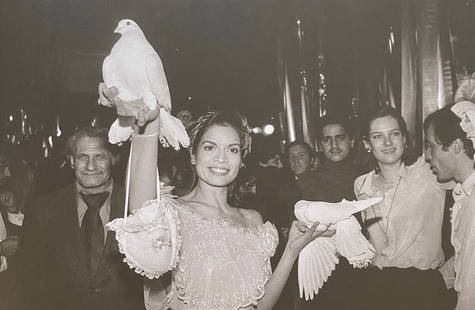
{"type": "Point", "coordinates": [9, 282]}
{"type": "Point", "coordinates": [56, 276]}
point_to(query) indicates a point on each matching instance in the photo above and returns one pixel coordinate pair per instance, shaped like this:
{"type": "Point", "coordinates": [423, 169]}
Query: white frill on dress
{"type": "Point", "coordinates": [220, 265]}
{"type": "Point", "coordinates": [149, 238]}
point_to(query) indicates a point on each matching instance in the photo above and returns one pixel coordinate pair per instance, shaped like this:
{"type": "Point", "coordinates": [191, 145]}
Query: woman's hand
{"type": "Point", "coordinates": [137, 109]}
{"type": "Point", "coordinates": [300, 235]}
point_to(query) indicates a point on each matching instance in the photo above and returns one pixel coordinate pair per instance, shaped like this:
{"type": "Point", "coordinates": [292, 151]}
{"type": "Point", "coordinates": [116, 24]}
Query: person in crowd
{"type": "Point", "coordinates": [332, 182]}
{"type": "Point", "coordinates": [70, 259]}
{"type": "Point", "coordinates": [224, 260]}
{"type": "Point", "coordinates": [406, 227]}
{"type": "Point", "coordinates": [16, 183]}
{"type": "Point", "coordinates": [186, 117]}
{"type": "Point", "coordinates": [334, 179]}
{"type": "Point", "coordinates": [450, 154]}
{"type": "Point", "coordinates": [302, 158]}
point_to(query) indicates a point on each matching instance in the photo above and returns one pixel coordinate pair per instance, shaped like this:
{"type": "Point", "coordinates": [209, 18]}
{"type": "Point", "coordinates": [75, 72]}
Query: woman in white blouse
{"type": "Point", "coordinates": [406, 227]}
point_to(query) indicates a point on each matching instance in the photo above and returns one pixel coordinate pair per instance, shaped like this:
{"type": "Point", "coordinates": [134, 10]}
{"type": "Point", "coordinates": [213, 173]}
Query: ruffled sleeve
{"type": "Point", "coordinates": [270, 239]}
{"type": "Point", "coordinates": [150, 237]}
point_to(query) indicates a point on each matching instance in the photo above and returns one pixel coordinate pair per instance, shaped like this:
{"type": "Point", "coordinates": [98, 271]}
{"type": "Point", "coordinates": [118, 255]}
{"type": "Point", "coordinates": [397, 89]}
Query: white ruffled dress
{"type": "Point", "coordinates": [215, 264]}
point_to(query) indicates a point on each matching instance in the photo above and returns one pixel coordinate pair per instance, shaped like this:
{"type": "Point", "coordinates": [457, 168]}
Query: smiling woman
{"type": "Point", "coordinates": [223, 251]}
{"type": "Point", "coordinates": [405, 228]}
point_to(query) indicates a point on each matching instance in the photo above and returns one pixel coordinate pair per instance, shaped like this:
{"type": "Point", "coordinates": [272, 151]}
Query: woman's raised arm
{"type": "Point", "coordinates": [142, 168]}
{"type": "Point", "coordinates": [143, 165]}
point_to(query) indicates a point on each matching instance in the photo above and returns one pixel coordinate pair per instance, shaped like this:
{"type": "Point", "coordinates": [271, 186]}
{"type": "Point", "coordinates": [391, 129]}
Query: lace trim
{"type": "Point", "coordinates": [242, 296]}
{"type": "Point", "coordinates": [140, 221]}
{"type": "Point", "coordinates": [224, 222]}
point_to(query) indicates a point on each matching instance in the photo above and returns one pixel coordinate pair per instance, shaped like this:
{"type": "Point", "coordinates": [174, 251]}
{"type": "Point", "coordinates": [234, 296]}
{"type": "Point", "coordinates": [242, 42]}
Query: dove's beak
{"type": "Point", "coordinates": [117, 30]}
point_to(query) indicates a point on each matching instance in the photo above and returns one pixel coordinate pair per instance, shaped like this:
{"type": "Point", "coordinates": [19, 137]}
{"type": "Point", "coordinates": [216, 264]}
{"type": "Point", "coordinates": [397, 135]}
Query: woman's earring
{"type": "Point", "coordinates": [368, 150]}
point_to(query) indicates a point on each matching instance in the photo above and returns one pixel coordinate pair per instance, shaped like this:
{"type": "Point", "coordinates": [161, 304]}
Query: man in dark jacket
{"type": "Point", "coordinates": [70, 259]}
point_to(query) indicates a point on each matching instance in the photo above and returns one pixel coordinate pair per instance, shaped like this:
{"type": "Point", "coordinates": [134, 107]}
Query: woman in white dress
{"type": "Point", "coordinates": [224, 258]}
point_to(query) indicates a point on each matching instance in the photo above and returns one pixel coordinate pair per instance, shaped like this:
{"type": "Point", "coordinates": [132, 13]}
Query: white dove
{"type": "Point", "coordinates": [319, 258]}
{"type": "Point", "coordinates": [135, 69]}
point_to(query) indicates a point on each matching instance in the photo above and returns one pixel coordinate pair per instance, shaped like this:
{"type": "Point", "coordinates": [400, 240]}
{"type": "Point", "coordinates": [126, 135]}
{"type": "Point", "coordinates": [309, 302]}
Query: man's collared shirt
{"type": "Point", "coordinates": [104, 212]}
{"type": "Point", "coordinates": [16, 219]}
{"type": "Point", "coordinates": [459, 271]}
{"type": "Point", "coordinates": [406, 227]}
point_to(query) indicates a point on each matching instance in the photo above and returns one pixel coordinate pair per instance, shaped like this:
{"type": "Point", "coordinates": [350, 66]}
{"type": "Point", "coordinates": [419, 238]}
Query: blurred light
{"type": "Point", "coordinates": [268, 129]}
{"type": "Point", "coordinates": [50, 140]}
{"type": "Point", "coordinates": [298, 21]}
{"type": "Point", "coordinates": [189, 98]}
{"type": "Point", "coordinates": [257, 130]}
{"type": "Point", "coordinates": [10, 118]}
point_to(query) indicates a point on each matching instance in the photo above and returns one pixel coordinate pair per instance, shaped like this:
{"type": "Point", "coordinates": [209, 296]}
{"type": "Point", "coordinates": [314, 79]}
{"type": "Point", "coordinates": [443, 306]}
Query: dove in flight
{"type": "Point", "coordinates": [135, 69]}
{"type": "Point", "coordinates": [318, 259]}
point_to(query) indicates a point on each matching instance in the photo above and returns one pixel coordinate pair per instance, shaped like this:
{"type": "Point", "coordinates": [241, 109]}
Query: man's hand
{"type": "Point", "coordinates": [9, 246]}
{"type": "Point", "coordinates": [8, 200]}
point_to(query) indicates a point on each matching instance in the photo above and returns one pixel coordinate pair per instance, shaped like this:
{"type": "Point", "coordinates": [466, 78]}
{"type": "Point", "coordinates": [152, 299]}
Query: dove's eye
{"type": "Point", "coordinates": [127, 23]}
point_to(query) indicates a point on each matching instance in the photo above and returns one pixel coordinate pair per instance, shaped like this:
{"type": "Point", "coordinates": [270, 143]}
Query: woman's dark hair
{"type": "Point", "coordinates": [446, 126]}
{"type": "Point", "coordinates": [233, 119]}
{"type": "Point", "coordinates": [408, 157]}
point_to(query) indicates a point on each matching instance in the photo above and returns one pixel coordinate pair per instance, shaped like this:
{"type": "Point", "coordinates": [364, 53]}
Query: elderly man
{"type": "Point", "coordinates": [71, 260]}
{"type": "Point", "coordinates": [450, 153]}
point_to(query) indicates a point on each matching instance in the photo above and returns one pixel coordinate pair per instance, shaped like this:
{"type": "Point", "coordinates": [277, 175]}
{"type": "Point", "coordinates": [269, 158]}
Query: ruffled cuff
{"type": "Point", "coordinates": [150, 237]}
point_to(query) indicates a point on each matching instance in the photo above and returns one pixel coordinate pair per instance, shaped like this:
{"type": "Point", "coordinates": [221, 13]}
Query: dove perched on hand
{"type": "Point", "coordinates": [319, 258]}
{"type": "Point", "coordinates": [135, 69]}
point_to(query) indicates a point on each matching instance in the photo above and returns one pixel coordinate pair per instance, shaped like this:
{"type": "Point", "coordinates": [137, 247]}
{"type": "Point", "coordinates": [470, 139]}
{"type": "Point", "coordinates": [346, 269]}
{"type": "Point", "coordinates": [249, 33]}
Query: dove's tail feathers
{"type": "Point", "coordinates": [351, 243]}
{"type": "Point", "coordinates": [172, 131]}
{"type": "Point", "coordinates": [316, 263]}
{"type": "Point", "coordinates": [364, 204]}
{"type": "Point", "coordinates": [118, 133]}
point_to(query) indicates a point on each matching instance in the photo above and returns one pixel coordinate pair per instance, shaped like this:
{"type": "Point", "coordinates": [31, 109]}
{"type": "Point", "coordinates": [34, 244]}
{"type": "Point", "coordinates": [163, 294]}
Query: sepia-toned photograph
{"type": "Point", "coordinates": [237, 155]}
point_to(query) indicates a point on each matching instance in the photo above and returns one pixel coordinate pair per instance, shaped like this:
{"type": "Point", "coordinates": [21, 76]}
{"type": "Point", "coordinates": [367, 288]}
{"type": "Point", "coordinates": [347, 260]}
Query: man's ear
{"type": "Point", "coordinates": [192, 158]}
{"type": "Point", "coordinates": [352, 142]}
{"type": "Point", "coordinates": [457, 146]}
{"type": "Point", "coordinates": [71, 161]}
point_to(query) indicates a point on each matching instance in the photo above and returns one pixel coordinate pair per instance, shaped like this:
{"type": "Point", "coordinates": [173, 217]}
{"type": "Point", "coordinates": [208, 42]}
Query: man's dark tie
{"type": "Point", "coordinates": [92, 230]}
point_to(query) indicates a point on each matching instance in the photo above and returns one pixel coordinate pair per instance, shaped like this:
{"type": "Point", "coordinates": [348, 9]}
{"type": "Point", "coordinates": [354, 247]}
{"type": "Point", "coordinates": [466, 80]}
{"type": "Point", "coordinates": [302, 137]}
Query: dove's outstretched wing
{"type": "Point", "coordinates": [158, 81]}
{"type": "Point", "coordinates": [316, 263]}
{"type": "Point", "coordinates": [351, 243]}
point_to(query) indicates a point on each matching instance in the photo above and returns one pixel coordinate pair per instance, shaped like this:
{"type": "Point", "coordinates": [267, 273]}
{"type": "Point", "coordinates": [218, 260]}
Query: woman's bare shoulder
{"type": "Point", "coordinates": [252, 216]}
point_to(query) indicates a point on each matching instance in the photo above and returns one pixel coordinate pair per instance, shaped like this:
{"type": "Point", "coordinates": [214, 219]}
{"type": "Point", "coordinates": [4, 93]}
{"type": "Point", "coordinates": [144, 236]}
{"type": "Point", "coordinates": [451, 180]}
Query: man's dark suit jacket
{"type": "Point", "coordinates": [9, 281]}
{"type": "Point", "coordinates": [55, 274]}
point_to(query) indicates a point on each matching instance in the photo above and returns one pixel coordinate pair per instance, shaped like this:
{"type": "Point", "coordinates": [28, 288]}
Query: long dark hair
{"type": "Point", "coordinates": [233, 119]}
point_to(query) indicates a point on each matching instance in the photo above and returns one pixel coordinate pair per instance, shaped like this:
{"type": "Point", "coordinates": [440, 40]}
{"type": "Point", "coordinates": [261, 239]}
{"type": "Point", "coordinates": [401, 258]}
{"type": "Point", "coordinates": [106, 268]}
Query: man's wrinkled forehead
{"type": "Point", "coordinates": [86, 144]}
{"type": "Point", "coordinates": [333, 130]}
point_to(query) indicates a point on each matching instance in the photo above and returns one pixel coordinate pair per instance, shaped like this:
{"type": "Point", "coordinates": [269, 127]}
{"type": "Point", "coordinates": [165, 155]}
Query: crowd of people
{"type": "Point", "coordinates": [239, 241]}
